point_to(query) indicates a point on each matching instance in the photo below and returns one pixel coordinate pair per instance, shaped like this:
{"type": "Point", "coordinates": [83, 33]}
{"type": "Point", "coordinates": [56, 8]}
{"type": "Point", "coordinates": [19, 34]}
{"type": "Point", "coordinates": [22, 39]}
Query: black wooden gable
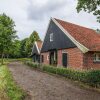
{"type": "Point", "coordinates": [35, 50]}
{"type": "Point", "coordinates": [60, 40]}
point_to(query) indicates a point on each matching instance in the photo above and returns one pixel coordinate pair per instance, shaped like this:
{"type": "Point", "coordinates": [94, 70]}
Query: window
{"type": "Point", "coordinates": [51, 37]}
{"type": "Point", "coordinates": [97, 57]}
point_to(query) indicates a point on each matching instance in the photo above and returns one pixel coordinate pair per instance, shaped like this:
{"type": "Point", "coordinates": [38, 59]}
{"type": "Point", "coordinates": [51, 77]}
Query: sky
{"type": "Point", "coordinates": [30, 15]}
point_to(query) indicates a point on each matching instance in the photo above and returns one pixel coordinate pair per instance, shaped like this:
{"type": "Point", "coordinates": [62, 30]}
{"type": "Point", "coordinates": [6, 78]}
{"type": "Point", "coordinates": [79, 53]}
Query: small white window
{"type": "Point", "coordinates": [51, 37]}
{"type": "Point", "coordinates": [47, 57]}
{"type": "Point", "coordinates": [97, 57]}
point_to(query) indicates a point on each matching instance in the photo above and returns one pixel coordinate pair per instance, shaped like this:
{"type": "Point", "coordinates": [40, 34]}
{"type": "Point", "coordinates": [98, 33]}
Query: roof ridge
{"type": "Point", "coordinates": [74, 24]}
{"type": "Point", "coordinates": [78, 26]}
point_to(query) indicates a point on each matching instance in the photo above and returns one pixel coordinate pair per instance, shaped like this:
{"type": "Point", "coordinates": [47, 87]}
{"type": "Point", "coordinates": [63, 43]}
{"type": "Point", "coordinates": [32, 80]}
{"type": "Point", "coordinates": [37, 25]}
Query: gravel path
{"type": "Point", "coordinates": [42, 86]}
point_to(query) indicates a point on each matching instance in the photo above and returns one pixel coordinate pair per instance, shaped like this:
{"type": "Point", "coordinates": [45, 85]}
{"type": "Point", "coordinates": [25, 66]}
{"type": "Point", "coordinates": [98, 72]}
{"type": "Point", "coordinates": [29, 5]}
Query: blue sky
{"type": "Point", "coordinates": [30, 15]}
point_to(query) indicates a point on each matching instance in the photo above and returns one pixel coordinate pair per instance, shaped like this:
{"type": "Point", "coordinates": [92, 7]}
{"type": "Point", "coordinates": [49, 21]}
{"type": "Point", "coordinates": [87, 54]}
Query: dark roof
{"type": "Point", "coordinates": [87, 37]}
{"type": "Point", "coordinates": [37, 47]}
{"type": "Point", "coordinates": [60, 40]}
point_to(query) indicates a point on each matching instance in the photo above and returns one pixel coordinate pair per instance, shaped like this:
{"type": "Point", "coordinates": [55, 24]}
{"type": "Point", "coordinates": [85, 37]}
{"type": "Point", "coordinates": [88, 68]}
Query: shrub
{"type": "Point", "coordinates": [31, 64]}
{"type": "Point", "coordinates": [91, 77]}
{"type": "Point", "coordinates": [50, 69]}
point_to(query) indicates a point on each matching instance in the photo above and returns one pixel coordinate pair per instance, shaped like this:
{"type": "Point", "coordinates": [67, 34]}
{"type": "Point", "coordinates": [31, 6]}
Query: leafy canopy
{"type": "Point", "coordinates": [7, 33]}
{"type": "Point", "coordinates": [29, 44]}
{"type": "Point", "coordinates": [90, 6]}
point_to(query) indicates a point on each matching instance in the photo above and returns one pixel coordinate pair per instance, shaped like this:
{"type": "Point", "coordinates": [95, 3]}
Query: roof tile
{"type": "Point", "coordinates": [87, 37]}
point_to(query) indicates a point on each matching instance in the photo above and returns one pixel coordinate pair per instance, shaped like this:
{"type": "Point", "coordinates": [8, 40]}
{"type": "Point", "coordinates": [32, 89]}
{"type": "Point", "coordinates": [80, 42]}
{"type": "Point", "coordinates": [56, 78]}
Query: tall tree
{"type": "Point", "coordinates": [7, 34]}
{"type": "Point", "coordinates": [15, 51]}
{"type": "Point", "coordinates": [90, 6]}
{"type": "Point", "coordinates": [23, 51]}
{"type": "Point", "coordinates": [29, 44]}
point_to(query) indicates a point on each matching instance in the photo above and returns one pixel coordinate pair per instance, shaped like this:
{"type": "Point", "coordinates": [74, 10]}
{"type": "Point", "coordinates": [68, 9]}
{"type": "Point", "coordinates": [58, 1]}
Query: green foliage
{"type": "Point", "coordinates": [90, 6]}
{"type": "Point", "coordinates": [11, 48]}
{"type": "Point", "coordinates": [50, 69]}
{"type": "Point", "coordinates": [33, 65]}
{"type": "Point", "coordinates": [29, 44]}
{"type": "Point", "coordinates": [18, 49]}
{"type": "Point", "coordinates": [23, 50]}
{"type": "Point", "coordinates": [15, 50]}
{"type": "Point", "coordinates": [91, 77]}
{"type": "Point", "coordinates": [8, 89]}
{"type": "Point", "coordinates": [7, 34]}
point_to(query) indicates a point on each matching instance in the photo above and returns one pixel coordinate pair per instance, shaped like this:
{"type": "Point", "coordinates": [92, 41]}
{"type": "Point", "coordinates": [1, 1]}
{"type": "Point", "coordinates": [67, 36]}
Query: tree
{"type": "Point", "coordinates": [23, 51]}
{"type": "Point", "coordinates": [15, 51]}
{"type": "Point", "coordinates": [29, 44]}
{"type": "Point", "coordinates": [7, 34]}
{"type": "Point", "coordinates": [90, 6]}
{"type": "Point", "coordinates": [98, 31]}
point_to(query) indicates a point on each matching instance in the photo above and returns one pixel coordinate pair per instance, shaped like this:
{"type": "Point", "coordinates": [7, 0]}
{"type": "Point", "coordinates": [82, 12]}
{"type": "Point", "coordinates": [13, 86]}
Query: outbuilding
{"type": "Point", "coordinates": [36, 51]}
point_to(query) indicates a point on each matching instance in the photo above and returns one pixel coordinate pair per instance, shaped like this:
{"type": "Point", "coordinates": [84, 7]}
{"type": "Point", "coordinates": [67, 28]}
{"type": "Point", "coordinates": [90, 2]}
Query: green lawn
{"type": "Point", "coordinates": [8, 88]}
{"type": "Point", "coordinates": [17, 59]}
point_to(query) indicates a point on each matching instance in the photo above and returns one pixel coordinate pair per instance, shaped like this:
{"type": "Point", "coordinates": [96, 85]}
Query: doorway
{"type": "Point", "coordinates": [64, 59]}
{"type": "Point", "coordinates": [53, 57]}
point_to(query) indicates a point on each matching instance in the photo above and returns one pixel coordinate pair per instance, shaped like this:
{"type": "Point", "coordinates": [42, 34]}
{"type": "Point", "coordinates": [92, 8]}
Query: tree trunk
{"type": "Point", "coordinates": [2, 59]}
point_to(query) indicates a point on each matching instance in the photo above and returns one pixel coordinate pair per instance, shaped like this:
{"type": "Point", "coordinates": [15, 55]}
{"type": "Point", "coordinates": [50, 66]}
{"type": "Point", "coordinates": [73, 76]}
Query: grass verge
{"type": "Point", "coordinates": [8, 88]}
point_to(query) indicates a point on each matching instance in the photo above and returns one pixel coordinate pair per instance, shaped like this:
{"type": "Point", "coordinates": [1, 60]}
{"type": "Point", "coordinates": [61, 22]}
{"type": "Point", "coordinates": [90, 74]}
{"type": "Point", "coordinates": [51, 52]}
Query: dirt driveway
{"type": "Point", "coordinates": [42, 86]}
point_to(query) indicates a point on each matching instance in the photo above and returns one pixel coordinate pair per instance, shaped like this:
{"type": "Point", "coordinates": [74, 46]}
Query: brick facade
{"type": "Point", "coordinates": [89, 61]}
{"type": "Point", "coordinates": [45, 60]}
{"type": "Point", "coordinates": [76, 59]}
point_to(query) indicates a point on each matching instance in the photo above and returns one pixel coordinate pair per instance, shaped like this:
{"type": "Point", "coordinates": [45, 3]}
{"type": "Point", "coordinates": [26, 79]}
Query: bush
{"type": "Point", "coordinates": [91, 77]}
{"type": "Point", "coordinates": [50, 69]}
{"type": "Point", "coordinates": [34, 65]}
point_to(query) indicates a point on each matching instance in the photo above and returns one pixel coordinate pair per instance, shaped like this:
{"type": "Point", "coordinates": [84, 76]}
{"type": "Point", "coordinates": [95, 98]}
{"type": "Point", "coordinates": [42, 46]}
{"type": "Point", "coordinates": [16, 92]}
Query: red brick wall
{"type": "Point", "coordinates": [75, 58]}
{"type": "Point", "coordinates": [89, 63]}
{"type": "Point", "coordinates": [46, 61]}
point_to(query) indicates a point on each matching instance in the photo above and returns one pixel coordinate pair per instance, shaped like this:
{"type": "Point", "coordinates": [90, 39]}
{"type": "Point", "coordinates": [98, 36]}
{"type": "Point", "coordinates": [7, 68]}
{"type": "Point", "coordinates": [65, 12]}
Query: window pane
{"type": "Point", "coordinates": [51, 37]}
{"type": "Point", "coordinates": [97, 57]}
{"type": "Point", "coordinates": [94, 57]}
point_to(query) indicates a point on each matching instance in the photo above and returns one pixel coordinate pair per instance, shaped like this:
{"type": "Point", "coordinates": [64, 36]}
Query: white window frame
{"type": "Point", "coordinates": [96, 57]}
{"type": "Point", "coordinates": [47, 57]}
{"type": "Point", "coordinates": [51, 37]}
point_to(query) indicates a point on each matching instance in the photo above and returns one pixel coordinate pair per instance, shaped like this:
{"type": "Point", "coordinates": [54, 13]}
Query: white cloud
{"type": "Point", "coordinates": [32, 15]}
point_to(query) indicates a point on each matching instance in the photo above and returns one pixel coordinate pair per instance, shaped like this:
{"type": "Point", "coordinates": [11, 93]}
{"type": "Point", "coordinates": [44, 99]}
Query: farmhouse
{"type": "Point", "coordinates": [69, 45]}
{"type": "Point", "coordinates": [36, 51]}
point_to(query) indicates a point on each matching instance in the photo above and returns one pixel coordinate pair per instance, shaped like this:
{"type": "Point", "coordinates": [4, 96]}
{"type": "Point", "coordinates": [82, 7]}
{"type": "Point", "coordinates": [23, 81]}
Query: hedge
{"type": "Point", "coordinates": [90, 77]}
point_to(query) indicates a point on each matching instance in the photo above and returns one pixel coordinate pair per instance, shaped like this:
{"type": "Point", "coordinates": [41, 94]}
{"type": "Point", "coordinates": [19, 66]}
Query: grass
{"type": "Point", "coordinates": [8, 88]}
{"type": "Point", "coordinates": [6, 61]}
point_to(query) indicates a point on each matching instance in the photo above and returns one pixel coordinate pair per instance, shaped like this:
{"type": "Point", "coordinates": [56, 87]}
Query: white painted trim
{"type": "Point", "coordinates": [46, 33]}
{"type": "Point", "coordinates": [96, 59]}
{"type": "Point", "coordinates": [80, 46]}
{"type": "Point", "coordinates": [51, 37]}
{"type": "Point", "coordinates": [37, 47]}
{"type": "Point", "coordinates": [47, 57]}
